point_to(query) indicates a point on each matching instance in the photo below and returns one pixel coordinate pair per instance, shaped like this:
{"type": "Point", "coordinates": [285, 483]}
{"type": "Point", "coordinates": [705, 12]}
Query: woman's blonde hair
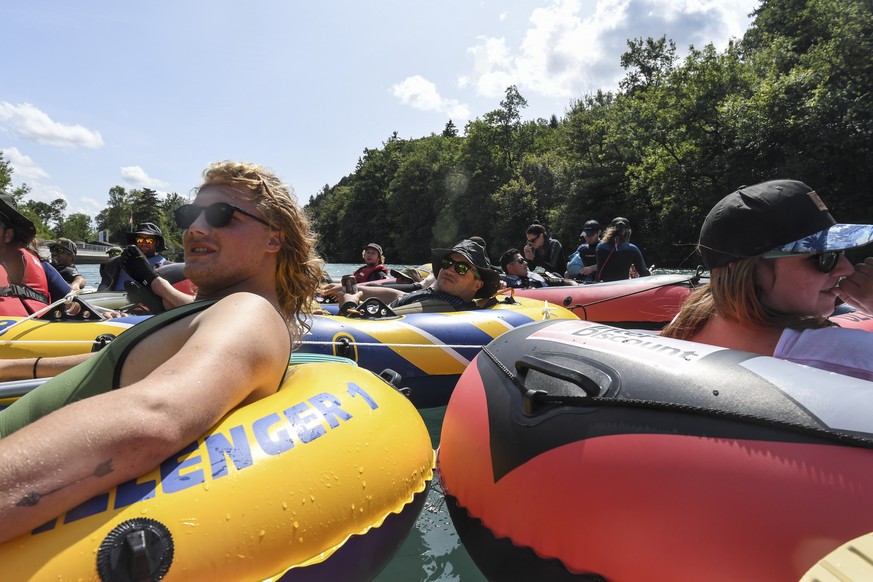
{"type": "Point", "coordinates": [733, 293]}
{"type": "Point", "coordinates": [299, 270]}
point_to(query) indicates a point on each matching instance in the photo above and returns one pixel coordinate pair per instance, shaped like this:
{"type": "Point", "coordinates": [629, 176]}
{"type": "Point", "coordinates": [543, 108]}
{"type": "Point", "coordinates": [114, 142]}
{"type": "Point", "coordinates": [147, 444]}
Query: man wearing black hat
{"type": "Point", "coordinates": [583, 263]}
{"type": "Point", "coordinates": [374, 269]}
{"type": "Point", "coordinates": [23, 282]}
{"type": "Point", "coordinates": [146, 240]}
{"type": "Point", "coordinates": [463, 273]}
{"type": "Point", "coordinates": [63, 253]}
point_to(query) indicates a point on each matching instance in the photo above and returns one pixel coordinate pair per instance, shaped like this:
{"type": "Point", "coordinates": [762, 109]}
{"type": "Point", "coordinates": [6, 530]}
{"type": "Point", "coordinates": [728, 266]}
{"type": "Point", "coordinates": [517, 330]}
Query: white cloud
{"type": "Point", "coordinates": [421, 94]}
{"type": "Point", "coordinates": [24, 169]}
{"type": "Point", "coordinates": [32, 124]}
{"type": "Point", "coordinates": [564, 54]}
{"type": "Point", "coordinates": [137, 177]}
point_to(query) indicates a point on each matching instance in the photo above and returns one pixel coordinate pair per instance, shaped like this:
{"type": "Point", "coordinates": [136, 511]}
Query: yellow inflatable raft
{"type": "Point", "coordinates": [54, 332]}
{"type": "Point", "coordinates": [322, 480]}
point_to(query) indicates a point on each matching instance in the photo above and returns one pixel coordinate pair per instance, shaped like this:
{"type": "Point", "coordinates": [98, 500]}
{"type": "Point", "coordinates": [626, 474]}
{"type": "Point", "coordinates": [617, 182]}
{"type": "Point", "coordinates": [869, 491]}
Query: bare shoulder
{"type": "Point", "coordinates": [244, 309]}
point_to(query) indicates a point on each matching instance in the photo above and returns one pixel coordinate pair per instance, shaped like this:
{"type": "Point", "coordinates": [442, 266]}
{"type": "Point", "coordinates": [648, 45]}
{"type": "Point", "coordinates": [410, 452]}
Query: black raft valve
{"type": "Point", "coordinates": [137, 550]}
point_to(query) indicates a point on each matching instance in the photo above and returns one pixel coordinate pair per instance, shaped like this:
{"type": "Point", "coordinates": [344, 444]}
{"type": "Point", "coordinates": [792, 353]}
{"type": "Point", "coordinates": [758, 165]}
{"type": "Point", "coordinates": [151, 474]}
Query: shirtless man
{"type": "Point", "coordinates": [249, 249]}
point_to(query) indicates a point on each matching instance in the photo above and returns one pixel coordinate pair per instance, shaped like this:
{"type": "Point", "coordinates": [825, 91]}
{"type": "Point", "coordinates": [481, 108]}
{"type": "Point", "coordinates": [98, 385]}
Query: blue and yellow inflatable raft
{"type": "Point", "coordinates": [322, 480]}
{"type": "Point", "coordinates": [429, 350]}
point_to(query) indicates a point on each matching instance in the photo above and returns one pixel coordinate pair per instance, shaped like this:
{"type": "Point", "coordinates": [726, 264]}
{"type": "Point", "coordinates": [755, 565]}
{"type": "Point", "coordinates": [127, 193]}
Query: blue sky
{"type": "Point", "coordinates": [147, 94]}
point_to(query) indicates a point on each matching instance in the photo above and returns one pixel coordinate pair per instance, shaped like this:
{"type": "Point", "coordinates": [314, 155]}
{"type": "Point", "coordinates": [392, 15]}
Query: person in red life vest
{"type": "Point", "coordinates": [374, 269]}
{"type": "Point", "coordinates": [23, 282]}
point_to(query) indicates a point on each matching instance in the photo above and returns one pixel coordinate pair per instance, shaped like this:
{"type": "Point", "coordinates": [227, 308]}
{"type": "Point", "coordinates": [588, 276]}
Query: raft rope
{"type": "Point", "coordinates": [535, 398]}
{"type": "Point", "coordinates": [386, 344]}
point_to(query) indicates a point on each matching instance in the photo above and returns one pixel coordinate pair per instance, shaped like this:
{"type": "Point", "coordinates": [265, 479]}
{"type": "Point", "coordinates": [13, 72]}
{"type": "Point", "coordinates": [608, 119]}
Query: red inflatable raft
{"type": "Point", "coordinates": [641, 303]}
{"type": "Point", "coordinates": [577, 451]}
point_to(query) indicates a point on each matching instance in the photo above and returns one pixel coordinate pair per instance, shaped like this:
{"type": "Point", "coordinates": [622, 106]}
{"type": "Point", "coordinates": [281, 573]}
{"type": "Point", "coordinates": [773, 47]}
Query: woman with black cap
{"type": "Point", "coordinates": [777, 263]}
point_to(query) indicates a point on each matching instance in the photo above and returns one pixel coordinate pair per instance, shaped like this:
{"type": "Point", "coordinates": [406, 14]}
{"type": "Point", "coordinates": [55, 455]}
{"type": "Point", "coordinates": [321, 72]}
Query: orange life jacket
{"type": "Point", "coordinates": [28, 296]}
{"type": "Point", "coordinates": [366, 273]}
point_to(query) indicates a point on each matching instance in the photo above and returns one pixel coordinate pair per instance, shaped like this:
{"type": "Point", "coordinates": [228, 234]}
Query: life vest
{"type": "Point", "coordinates": [366, 273]}
{"type": "Point", "coordinates": [28, 296]}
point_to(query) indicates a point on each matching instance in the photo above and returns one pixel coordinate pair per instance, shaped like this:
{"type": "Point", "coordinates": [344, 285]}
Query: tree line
{"type": "Point", "coordinates": [124, 210]}
{"type": "Point", "coordinates": [790, 99]}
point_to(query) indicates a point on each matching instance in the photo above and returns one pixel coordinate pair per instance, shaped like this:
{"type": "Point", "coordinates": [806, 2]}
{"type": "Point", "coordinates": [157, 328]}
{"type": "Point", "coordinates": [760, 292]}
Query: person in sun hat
{"type": "Point", "coordinates": [463, 273]}
{"type": "Point", "coordinates": [24, 287]}
{"type": "Point", "coordinates": [63, 254]}
{"type": "Point", "coordinates": [778, 267]}
{"type": "Point", "coordinates": [142, 254]}
{"type": "Point", "coordinates": [374, 268]}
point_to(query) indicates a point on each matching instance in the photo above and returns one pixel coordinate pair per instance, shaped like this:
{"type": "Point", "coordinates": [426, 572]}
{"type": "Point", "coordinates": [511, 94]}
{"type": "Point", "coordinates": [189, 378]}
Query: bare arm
{"type": "Point", "coordinates": [78, 283]}
{"type": "Point", "coordinates": [92, 445]}
{"type": "Point", "coordinates": [386, 294]}
{"type": "Point", "coordinates": [171, 296]}
{"type": "Point", "coordinates": [27, 368]}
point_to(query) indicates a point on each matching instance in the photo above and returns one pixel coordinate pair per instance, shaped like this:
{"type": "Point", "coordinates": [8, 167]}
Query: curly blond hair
{"type": "Point", "coordinates": [299, 270]}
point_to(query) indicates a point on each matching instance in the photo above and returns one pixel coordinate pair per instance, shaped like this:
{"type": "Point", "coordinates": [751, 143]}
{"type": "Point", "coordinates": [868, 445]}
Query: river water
{"type": "Point", "coordinates": [432, 551]}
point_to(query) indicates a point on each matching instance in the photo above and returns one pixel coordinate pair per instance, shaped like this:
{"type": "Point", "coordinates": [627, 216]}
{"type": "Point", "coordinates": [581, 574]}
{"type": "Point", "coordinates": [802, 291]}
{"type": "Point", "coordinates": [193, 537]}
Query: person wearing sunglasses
{"type": "Point", "coordinates": [144, 245]}
{"type": "Point", "coordinates": [158, 386]}
{"type": "Point", "coordinates": [461, 274]}
{"type": "Point", "coordinates": [517, 275]}
{"type": "Point", "coordinates": [777, 263]}
{"type": "Point", "coordinates": [63, 253]}
{"type": "Point", "coordinates": [541, 250]}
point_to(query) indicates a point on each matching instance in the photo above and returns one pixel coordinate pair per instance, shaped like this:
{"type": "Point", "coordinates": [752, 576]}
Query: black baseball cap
{"type": "Point", "coordinates": [591, 227]}
{"type": "Point", "coordinates": [779, 215]}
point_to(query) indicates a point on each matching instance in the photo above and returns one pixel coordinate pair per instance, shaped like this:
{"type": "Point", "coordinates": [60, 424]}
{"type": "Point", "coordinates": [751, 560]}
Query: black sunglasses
{"type": "Point", "coordinates": [460, 268]}
{"type": "Point", "coordinates": [827, 261]}
{"type": "Point", "coordinates": [217, 215]}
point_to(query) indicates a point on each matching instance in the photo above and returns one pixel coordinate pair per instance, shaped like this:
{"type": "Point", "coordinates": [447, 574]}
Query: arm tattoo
{"type": "Point", "coordinates": [34, 497]}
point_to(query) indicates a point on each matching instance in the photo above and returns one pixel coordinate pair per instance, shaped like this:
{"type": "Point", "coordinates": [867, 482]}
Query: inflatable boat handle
{"type": "Point", "coordinates": [589, 386]}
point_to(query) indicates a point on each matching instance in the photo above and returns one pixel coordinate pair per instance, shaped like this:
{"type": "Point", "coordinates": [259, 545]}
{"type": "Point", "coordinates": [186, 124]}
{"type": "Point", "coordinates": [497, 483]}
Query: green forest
{"type": "Point", "coordinates": [790, 99]}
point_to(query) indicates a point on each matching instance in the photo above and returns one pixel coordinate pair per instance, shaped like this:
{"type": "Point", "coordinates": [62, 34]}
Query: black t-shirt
{"type": "Point", "coordinates": [69, 273]}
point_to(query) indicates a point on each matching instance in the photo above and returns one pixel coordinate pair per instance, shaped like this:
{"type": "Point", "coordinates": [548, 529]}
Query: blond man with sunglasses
{"type": "Point", "coordinates": [777, 263]}
{"type": "Point", "coordinates": [162, 383]}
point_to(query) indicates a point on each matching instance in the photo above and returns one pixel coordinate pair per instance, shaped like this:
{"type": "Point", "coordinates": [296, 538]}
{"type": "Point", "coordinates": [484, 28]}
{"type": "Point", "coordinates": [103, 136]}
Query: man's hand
{"type": "Point", "coordinates": [137, 266]}
{"type": "Point", "coordinates": [528, 251]}
{"type": "Point", "coordinates": [857, 288]}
